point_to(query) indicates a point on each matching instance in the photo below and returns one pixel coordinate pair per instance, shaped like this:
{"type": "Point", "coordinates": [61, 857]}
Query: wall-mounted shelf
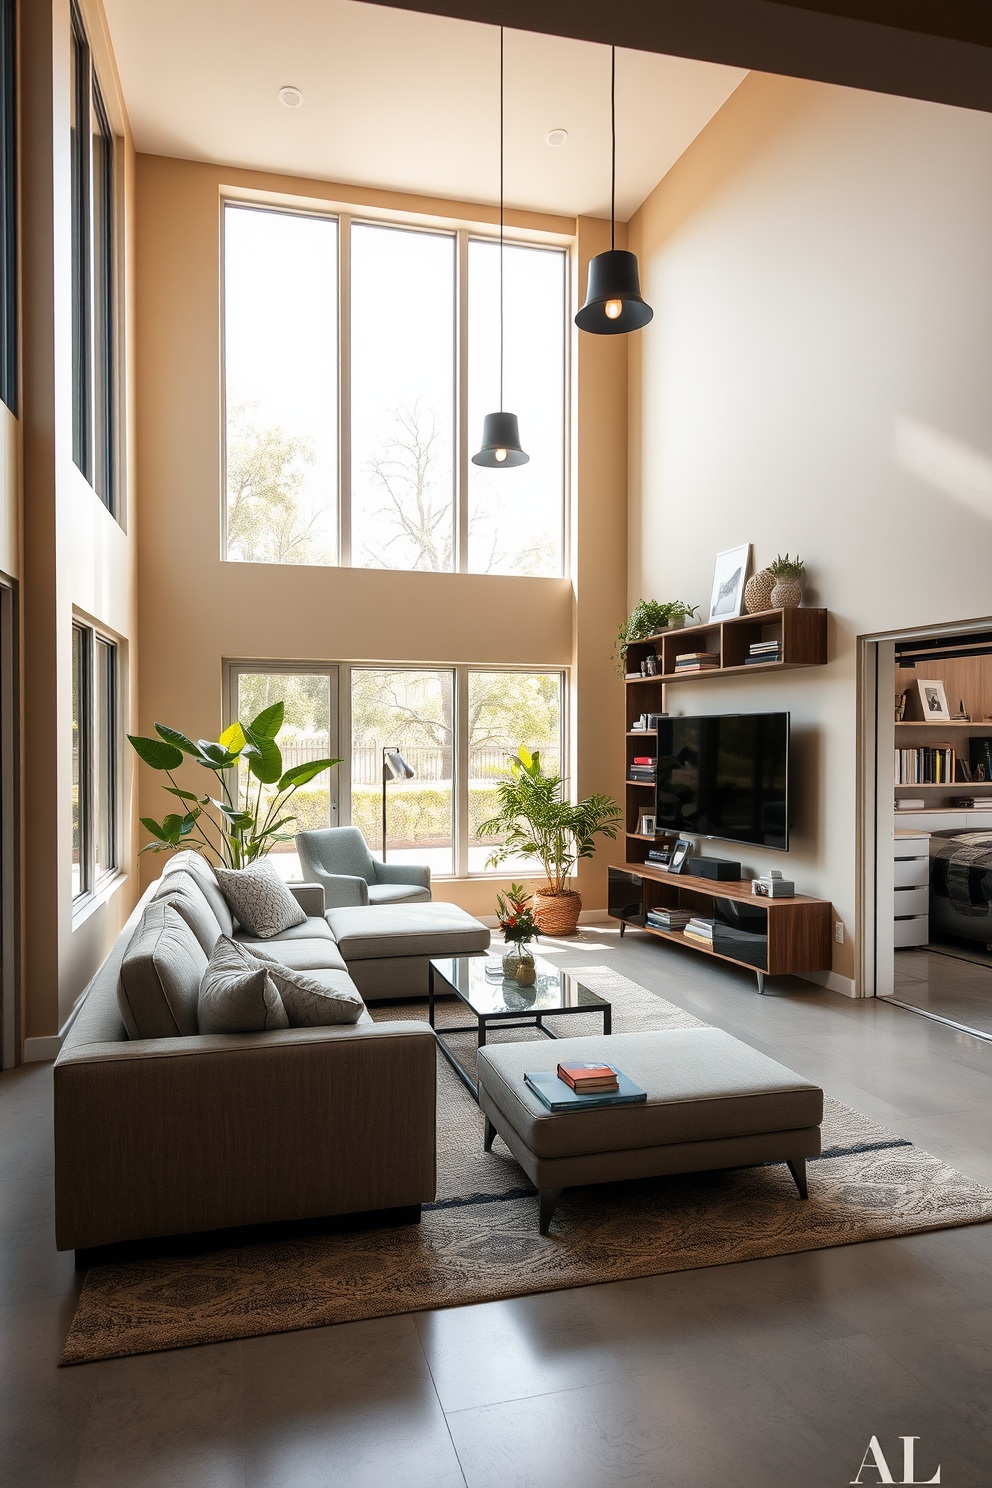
{"type": "Point", "coordinates": [955, 723]}
{"type": "Point", "coordinates": [801, 635]}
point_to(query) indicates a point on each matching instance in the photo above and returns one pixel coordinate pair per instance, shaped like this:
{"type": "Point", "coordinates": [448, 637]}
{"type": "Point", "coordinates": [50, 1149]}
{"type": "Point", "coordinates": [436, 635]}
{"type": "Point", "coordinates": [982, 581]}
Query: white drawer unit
{"type": "Point", "coordinates": [911, 893]}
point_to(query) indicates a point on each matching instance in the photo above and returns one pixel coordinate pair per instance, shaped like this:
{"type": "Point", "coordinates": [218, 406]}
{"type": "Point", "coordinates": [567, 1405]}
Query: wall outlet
{"type": "Point", "coordinates": [839, 931]}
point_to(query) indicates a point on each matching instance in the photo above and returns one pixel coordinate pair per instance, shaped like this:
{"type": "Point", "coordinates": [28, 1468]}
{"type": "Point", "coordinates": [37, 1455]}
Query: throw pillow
{"type": "Point", "coordinates": [160, 976]}
{"type": "Point", "coordinates": [237, 995]}
{"type": "Point", "coordinates": [259, 899]}
{"type": "Point", "coordinates": [314, 999]}
{"type": "Point", "coordinates": [183, 892]}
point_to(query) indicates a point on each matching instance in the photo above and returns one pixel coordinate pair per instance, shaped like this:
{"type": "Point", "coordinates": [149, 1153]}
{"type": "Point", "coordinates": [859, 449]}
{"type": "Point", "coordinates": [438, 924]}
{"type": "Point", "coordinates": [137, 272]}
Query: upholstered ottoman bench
{"type": "Point", "coordinates": [388, 947]}
{"type": "Point", "coordinates": [712, 1102]}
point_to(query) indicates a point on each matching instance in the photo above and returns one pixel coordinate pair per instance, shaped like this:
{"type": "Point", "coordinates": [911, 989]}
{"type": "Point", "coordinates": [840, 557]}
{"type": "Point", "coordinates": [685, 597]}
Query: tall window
{"type": "Point", "coordinates": [8, 204]}
{"type": "Point", "coordinates": [94, 317]}
{"type": "Point", "coordinates": [95, 759]}
{"type": "Point", "coordinates": [457, 727]}
{"type": "Point", "coordinates": [348, 438]}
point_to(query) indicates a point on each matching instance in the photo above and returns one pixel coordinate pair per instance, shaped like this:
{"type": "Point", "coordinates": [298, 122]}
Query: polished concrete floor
{"type": "Point", "coordinates": [950, 983]}
{"type": "Point", "coordinates": [773, 1373]}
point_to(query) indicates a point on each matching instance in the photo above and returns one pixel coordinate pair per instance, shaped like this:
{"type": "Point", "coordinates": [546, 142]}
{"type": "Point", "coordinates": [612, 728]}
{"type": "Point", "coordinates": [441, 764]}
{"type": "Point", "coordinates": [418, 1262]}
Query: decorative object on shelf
{"type": "Point", "coordinates": [235, 829]}
{"type": "Point", "coordinates": [500, 432]}
{"type": "Point", "coordinates": [901, 700]}
{"type": "Point", "coordinates": [758, 592]}
{"type": "Point", "coordinates": [729, 578]}
{"type": "Point", "coordinates": [646, 619]}
{"type": "Point", "coordinates": [772, 885]}
{"type": "Point", "coordinates": [647, 823]}
{"type": "Point", "coordinates": [933, 700]}
{"type": "Point", "coordinates": [650, 664]}
{"type": "Point", "coordinates": [516, 921]}
{"type": "Point", "coordinates": [614, 304]}
{"type": "Point", "coordinates": [537, 820]}
{"type": "Point", "coordinates": [678, 861]}
{"type": "Point", "coordinates": [653, 719]}
{"type": "Point", "coordinates": [962, 715]}
{"type": "Point", "coordinates": [394, 767]}
{"type": "Point", "coordinates": [724, 869]}
{"type": "Point", "coordinates": [787, 573]}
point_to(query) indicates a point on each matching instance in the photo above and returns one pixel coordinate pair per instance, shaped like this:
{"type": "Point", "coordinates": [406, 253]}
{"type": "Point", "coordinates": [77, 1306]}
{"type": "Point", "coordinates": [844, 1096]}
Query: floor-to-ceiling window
{"type": "Point", "coordinates": [360, 358]}
{"type": "Point", "coordinates": [95, 758]}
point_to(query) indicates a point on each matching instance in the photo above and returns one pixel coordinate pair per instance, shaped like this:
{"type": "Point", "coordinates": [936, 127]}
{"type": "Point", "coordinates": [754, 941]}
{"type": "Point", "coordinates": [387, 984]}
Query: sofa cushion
{"type": "Point", "coordinates": [394, 893]}
{"type": "Point", "coordinates": [304, 955]}
{"type": "Point", "coordinates": [316, 999]}
{"type": "Point", "coordinates": [237, 994]}
{"type": "Point", "coordinates": [259, 898]}
{"type": "Point", "coordinates": [159, 983]}
{"type": "Point", "coordinates": [365, 932]}
{"type": "Point", "coordinates": [190, 862]}
{"type": "Point", "coordinates": [183, 892]}
{"type": "Point", "coordinates": [702, 1085]}
{"type": "Point", "coordinates": [310, 929]}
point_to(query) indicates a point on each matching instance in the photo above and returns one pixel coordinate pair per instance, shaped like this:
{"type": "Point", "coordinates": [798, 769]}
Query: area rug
{"type": "Point", "coordinates": [479, 1241]}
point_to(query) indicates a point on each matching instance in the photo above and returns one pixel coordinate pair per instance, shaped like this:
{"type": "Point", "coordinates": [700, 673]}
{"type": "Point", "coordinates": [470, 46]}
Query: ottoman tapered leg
{"type": "Point", "coordinates": [797, 1167]}
{"type": "Point", "coordinates": [548, 1198]}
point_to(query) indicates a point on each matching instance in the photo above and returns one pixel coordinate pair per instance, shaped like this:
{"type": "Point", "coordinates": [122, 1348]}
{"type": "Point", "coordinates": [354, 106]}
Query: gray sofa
{"type": "Point", "coordinates": [187, 1132]}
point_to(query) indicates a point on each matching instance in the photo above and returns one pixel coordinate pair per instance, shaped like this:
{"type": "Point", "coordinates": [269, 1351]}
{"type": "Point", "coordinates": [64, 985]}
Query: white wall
{"type": "Point", "coordinates": [818, 377]}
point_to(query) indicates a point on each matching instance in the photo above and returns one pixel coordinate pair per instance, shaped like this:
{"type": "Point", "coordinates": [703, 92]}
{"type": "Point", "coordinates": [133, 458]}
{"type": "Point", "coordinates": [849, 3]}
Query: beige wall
{"type": "Point", "coordinates": [818, 378]}
{"type": "Point", "coordinates": [196, 610]}
{"type": "Point", "coordinates": [76, 557]}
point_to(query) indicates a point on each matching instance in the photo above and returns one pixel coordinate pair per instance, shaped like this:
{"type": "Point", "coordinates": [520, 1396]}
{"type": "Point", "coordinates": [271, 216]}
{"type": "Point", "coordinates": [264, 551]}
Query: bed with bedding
{"type": "Point", "coordinates": [961, 884]}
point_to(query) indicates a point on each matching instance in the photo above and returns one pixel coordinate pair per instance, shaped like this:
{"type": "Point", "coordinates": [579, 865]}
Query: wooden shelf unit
{"type": "Point", "coordinates": [798, 929]}
{"type": "Point", "coordinates": [801, 634]}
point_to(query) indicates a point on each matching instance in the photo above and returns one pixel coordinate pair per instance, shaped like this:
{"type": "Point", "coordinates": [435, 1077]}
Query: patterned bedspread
{"type": "Point", "coordinates": [961, 871]}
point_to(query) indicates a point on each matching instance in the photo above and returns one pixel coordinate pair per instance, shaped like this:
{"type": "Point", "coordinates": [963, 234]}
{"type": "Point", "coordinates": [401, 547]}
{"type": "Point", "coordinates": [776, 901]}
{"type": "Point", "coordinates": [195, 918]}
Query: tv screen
{"type": "Point", "coordinates": [725, 776]}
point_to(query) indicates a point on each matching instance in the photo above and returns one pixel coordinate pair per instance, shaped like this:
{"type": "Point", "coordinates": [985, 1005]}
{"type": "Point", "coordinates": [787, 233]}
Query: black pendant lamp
{"type": "Point", "coordinates": [500, 431]}
{"type": "Point", "coordinates": [614, 304]}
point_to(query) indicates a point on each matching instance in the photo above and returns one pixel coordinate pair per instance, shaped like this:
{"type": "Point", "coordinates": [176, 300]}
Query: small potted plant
{"type": "Point", "coordinates": [647, 619]}
{"type": "Point", "coordinates": [787, 573]}
{"type": "Point", "coordinates": [516, 920]}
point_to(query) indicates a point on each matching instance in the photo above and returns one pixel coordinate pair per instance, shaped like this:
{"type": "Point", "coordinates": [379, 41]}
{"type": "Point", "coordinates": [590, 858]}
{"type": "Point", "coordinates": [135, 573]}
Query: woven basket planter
{"type": "Point", "coordinates": [557, 914]}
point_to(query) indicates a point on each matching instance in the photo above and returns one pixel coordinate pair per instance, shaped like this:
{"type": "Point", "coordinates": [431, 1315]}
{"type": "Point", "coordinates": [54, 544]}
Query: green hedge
{"type": "Point", "coordinates": [418, 815]}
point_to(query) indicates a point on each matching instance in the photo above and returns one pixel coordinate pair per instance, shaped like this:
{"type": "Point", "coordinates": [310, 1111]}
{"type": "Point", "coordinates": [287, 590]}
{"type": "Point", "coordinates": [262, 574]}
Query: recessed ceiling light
{"type": "Point", "coordinates": [291, 97]}
{"type": "Point", "coordinates": [556, 137]}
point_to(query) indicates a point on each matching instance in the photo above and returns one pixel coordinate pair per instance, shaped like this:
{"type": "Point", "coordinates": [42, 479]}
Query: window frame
{"type": "Point", "coordinates": [340, 679]}
{"type": "Point", "coordinates": [96, 274]}
{"type": "Point", "coordinates": [9, 319]}
{"type": "Point", "coordinates": [91, 880]}
{"type": "Point", "coordinates": [465, 439]}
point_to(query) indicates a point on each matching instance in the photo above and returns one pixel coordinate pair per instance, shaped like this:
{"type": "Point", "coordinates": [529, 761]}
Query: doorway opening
{"type": "Point", "coordinates": [926, 821]}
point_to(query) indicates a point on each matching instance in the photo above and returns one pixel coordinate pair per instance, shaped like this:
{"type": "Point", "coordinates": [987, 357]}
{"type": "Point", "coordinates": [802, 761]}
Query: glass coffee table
{"type": "Point", "coordinates": [498, 1003]}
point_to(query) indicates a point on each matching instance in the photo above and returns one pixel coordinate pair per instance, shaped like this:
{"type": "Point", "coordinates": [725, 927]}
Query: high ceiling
{"type": "Point", "coordinates": [402, 100]}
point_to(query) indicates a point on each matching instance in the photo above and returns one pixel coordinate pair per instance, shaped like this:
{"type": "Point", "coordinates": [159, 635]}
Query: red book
{"type": "Point", "coordinates": [643, 759]}
{"type": "Point", "coordinates": [588, 1076]}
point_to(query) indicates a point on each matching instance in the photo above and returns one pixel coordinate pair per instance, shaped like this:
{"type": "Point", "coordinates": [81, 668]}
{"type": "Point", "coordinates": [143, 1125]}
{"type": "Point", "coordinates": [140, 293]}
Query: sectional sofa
{"type": "Point", "coordinates": [173, 1131]}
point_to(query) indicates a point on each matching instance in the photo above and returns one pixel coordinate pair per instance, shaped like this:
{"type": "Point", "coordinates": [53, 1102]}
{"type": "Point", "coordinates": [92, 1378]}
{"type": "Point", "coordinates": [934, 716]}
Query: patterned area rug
{"type": "Point", "coordinates": [480, 1242]}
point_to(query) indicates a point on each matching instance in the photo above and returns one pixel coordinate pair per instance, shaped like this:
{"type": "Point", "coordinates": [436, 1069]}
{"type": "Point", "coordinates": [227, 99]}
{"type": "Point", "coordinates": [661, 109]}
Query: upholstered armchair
{"type": "Point", "coordinates": [339, 859]}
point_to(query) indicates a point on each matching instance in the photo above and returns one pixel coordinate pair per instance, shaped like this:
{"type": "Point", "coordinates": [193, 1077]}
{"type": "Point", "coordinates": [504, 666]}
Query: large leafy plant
{"type": "Point", "coordinates": [236, 828]}
{"type": "Point", "coordinates": [536, 819]}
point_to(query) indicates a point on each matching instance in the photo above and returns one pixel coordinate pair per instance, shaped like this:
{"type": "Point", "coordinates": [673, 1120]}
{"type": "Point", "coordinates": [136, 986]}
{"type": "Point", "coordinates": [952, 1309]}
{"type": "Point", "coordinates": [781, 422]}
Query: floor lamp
{"type": "Point", "coordinates": [394, 767]}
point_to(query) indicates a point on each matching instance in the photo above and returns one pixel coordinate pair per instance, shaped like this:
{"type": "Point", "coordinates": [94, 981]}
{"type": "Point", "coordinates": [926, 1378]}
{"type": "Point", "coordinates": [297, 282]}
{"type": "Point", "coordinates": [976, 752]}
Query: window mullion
{"type": "Point", "coordinates": [460, 758]}
{"type": "Point", "coordinates": [344, 391]}
{"type": "Point", "coordinates": [461, 404]}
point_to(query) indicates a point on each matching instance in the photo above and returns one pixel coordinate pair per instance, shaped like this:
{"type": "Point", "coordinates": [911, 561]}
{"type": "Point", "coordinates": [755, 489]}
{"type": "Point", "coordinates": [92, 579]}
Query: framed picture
{"type": "Point", "coordinates": [729, 578]}
{"type": "Point", "coordinates": [679, 861]}
{"type": "Point", "coordinates": [646, 825]}
{"type": "Point", "coordinates": [933, 701]}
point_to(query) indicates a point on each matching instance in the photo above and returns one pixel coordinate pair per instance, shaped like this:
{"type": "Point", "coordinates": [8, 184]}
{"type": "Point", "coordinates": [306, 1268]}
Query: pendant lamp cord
{"type": "Point", "coordinates": [501, 219]}
{"type": "Point", "coordinates": [613, 147]}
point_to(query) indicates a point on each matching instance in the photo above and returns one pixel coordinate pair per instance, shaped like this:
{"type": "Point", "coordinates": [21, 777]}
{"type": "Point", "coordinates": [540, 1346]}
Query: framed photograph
{"type": "Point", "coordinates": [646, 825]}
{"type": "Point", "coordinates": [729, 577]}
{"type": "Point", "coordinates": [933, 701]}
{"type": "Point", "coordinates": [679, 861]}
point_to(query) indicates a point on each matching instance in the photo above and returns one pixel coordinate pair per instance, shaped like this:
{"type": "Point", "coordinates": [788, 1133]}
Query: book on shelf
{"type": "Point", "coordinates": [667, 919]}
{"type": "Point", "coordinates": [753, 660]}
{"type": "Point", "coordinates": [700, 929]}
{"type": "Point", "coordinates": [645, 759]}
{"type": "Point", "coordinates": [633, 676]}
{"type": "Point", "coordinates": [583, 1077]}
{"type": "Point", "coordinates": [757, 646]}
{"type": "Point", "coordinates": [558, 1096]}
{"type": "Point", "coordinates": [698, 666]}
{"type": "Point", "coordinates": [934, 765]}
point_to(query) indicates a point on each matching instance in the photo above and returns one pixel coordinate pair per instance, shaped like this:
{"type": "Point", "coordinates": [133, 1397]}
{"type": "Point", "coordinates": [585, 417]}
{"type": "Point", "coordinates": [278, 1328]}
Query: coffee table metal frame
{"type": "Point", "coordinates": [526, 1018]}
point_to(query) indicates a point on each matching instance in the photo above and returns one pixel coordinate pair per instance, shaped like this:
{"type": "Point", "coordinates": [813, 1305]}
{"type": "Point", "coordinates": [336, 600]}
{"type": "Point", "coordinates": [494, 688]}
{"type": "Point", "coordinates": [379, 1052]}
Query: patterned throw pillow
{"type": "Point", "coordinates": [314, 999]}
{"type": "Point", "coordinates": [259, 899]}
{"type": "Point", "coordinates": [237, 995]}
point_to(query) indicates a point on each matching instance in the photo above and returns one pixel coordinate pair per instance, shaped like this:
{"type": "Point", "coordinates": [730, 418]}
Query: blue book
{"type": "Point", "coordinates": [558, 1096]}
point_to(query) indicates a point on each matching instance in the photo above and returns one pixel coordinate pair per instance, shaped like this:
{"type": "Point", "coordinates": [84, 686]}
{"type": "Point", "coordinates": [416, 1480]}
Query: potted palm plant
{"type": "Point", "coordinates": [537, 820]}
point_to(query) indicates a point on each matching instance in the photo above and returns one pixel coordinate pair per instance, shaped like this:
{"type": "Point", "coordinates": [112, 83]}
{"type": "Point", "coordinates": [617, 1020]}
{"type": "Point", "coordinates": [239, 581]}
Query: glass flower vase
{"type": "Point", "coordinates": [517, 954]}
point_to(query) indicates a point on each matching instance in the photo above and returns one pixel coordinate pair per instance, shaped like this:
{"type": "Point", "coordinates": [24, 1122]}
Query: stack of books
{"type": "Point", "coordinates": [973, 803]}
{"type": "Point", "coordinates": [933, 766]}
{"type": "Point", "coordinates": [644, 767]}
{"type": "Point", "coordinates": [668, 919]}
{"type": "Point", "coordinates": [584, 1078]}
{"type": "Point", "coordinates": [697, 661]}
{"type": "Point", "coordinates": [560, 1093]}
{"type": "Point", "coordinates": [700, 930]}
{"type": "Point", "coordinates": [763, 651]}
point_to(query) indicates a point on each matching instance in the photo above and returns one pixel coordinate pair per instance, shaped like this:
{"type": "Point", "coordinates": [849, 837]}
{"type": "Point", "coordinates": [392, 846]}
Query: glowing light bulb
{"type": "Point", "coordinates": [500, 455]}
{"type": "Point", "coordinates": [613, 308]}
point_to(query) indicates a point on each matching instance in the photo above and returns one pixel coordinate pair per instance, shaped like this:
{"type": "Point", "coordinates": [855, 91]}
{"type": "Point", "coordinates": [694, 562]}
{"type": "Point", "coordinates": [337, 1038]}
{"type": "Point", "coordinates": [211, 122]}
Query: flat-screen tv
{"type": "Point", "coordinates": [726, 776]}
